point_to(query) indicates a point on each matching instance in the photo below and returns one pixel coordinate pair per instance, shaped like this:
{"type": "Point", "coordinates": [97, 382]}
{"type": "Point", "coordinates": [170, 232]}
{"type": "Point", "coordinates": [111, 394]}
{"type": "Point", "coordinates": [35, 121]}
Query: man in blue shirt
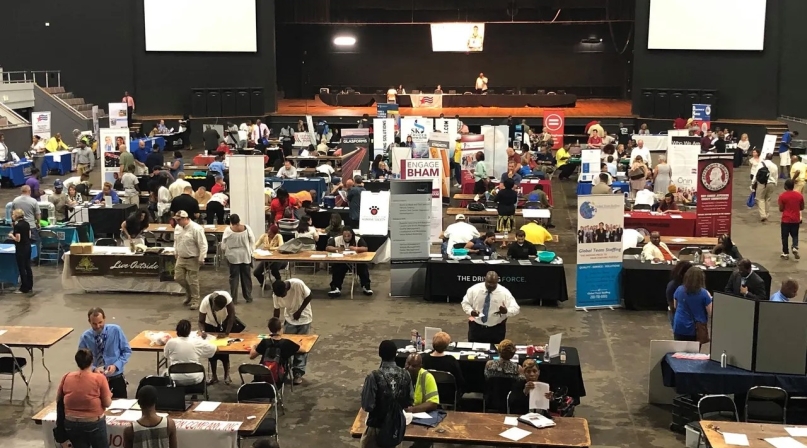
{"type": "Point", "coordinates": [217, 166]}
{"type": "Point", "coordinates": [110, 350]}
{"type": "Point", "coordinates": [784, 151]}
{"type": "Point", "coordinates": [482, 245]}
{"type": "Point", "coordinates": [141, 154]}
{"type": "Point", "coordinates": [788, 291]}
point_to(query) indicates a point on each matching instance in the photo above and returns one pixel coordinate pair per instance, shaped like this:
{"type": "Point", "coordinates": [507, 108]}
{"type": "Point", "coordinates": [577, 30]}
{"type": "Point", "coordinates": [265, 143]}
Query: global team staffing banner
{"type": "Point", "coordinates": [601, 222]}
{"type": "Point", "coordinates": [682, 155]}
{"type": "Point", "coordinates": [714, 194]}
{"type": "Point", "coordinates": [431, 170]}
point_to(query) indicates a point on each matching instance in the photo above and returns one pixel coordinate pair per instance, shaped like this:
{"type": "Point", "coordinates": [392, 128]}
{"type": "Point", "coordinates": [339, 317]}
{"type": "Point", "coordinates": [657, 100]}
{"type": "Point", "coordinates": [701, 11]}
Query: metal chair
{"type": "Point", "coordinates": [261, 373]}
{"type": "Point", "coordinates": [446, 387]}
{"type": "Point", "coordinates": [766, 404]}
{"type": "Point", "coordinates": [50, 247]}
{"type": "Point", "coordinates": [108, 242]}
{"type": "Point", "coordinates": [156, 381]}
{"type": "Point", "coordinates": [715, 407]}
{"type": "Point", "coordinates": [312, 245]}
{"type": "Point", "coordinates": [632, 253]}
{"type": "Point", "coordinates": [11, 365]}
{"type": "Point", "coordinates": [496, 390]}
{"type": "Point", "coordinates": [213, 251]}
{"type": "Point", "coordinates": [688, 253]}
{"type": "Point", "coordinates": [150, 239]}
{"type": "Point", "coordinates": [191, 367]}
{"type": "Point", "coordinates": [260, 392]}
{"type": "Point", "coordinates": [642, 207]}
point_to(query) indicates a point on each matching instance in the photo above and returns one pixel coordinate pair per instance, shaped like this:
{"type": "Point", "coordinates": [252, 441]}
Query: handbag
{"type": "Point", "coordinates": [291, 246]}
{"type": "Point", "coordinates": [752, 198]}
{"type": "Point", "coordinates": [476, 207]}
{"type": "Point", "coordinates": [238, 325]}
{"type": "Point", "coordinates": [701, 329]}
{"type": "Point", "coordinates": [636, 174]}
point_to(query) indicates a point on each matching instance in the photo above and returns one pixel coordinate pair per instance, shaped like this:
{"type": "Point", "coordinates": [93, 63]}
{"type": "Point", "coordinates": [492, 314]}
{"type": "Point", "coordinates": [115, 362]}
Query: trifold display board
{"type": "Point", "coordinates": [410, 218]}
{"type": "Point", "coordinates": [247, 183]}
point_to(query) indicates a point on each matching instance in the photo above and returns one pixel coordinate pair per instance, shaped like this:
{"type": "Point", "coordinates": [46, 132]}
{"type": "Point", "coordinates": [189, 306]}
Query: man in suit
{"type": "Point", "coordinates": [619, 232]}
{"type": "Point", "coordinates": [745, 282]}
{"type": "Point", "coordinates": [599, 235]}
{"type": "Point", "coordinates": [580, 235]}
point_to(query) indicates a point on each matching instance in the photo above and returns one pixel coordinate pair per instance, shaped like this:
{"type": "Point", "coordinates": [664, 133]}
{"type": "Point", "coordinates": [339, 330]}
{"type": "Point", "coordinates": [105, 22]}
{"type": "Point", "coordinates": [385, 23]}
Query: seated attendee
{"type": "Point", "coordinates": [151, 430]}
{"type": "Point", "coordinates": [275, 351]}
{"type": "Point", "coordinates": [223, 148]}
{"type": "Point", "coordinates": [427, 399]}
{"type": "Point", "coordinates": [645, 197]}
{"type": "Point", "coordinates": [379, 168]}
{"type": "Point", "coordinates": [681, 196]}
{"type": "Point", "coordinates": [306, 230]}
{"type": "Point", "coordinates": [603, 170]}
{"type": "Point", "coordinates": [458, 233]}
{"type": "Point", "coordinates": [562, 162]}
{"type": "Point", "coordinates": [535, 233]}
{"type": "Point", "coordinates": [348, 241]}
{"type": "Point", "coordinates": [439, 360]}
{"type": "Point", "coordinates": [220, 186]}
{"type": "Point", "coordinates": [106, 191]}
{"type": "Point", "coordinates": [217, 166]}
{"type": "Point", "coordinates": [726, 246]}
{"type": "Point", "coordinates": [511, 173]}
{"type": "Point", "coordinates": [522, 249]}
{"type": "Point", "coordinates": [162, 129]}
{"type": "Point", "coordinates": [482, 245]}
{"type": "Point", "coordinates": [184, 349]}
{"type": "Point", "coordinates": [519, 399]}
{"type": "Point", "coordinates": [202, 196]}
{"type": "Point", "coordinates": [525, 170]}
{"type": "Point", "coordinates": [326, 169]}
{"type": "Point", "coordinates": [288, 171]}
{"type": "Point", "coordinates": [745, 282]}
{"type": "Point", "coordinates": [656, 251]}
{"type": "Point", "coordinates": [594, 140]}
{"type": "Point", "coordinates": [668, 204]}
{"type": "Point", "coordinates": [335, 226]}
{"type": "Point", "coordinates": [787, 292]}
{"type": "Point", "coordinates": [322, 148]}
{"type": "Point", "coordinates": [503, 367]}
{"type": "Point", "coordinates": [270, 240]}
{"type": "Point", "coordinates": [603, 186]}
{"type": "Point", "coordinates": [611, 165]}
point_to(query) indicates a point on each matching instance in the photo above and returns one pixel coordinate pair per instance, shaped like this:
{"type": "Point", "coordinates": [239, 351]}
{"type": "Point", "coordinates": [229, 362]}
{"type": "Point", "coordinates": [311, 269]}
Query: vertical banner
{"type": "Point", "coordinates": [714, 194]}
{"type": "Point", "coordinates": [374, 214]}
{"type": "Point", "coordinates": [41, 125]}
{"type": "Point", "coordinates": [118, 118]}
{"type": "Point", "coordinates": [312, 131]}
{"type": "Point", "coordinates": [589, 164]}
{"type": "Point", "coordinates": [471, 144]}
{"type": "Point", "coordinates": [555, 123]}
{"type": "Point", "coordinates": [702, 116]}
{"type": "Point", "coordinates": [410, 218]}
{"type": "Point", "coordinates": [352, 140]}
{"type": "Point", "coordinates": [249, 172]}
{"type": "Point", "coordinates": [383, 134]}
{"type": "Point", "coordinates": [432, 170]}
{"type": "Point", "coordinates": [383, 110]}
{"type": "Point", "coordinates": [600, 225]}
{"type": "Point", "coordinates": [439, 148]}
{"type": "Point", "coordinates": [768, 145]}
{"type": "Point", "coordinates": [95, 125]}
{"type": "Point", "coordinates": [110, 141]}
{"type": "Point", "coordinates": [682, 155]}
{"type": "Point", "coordinates": [447, 126]}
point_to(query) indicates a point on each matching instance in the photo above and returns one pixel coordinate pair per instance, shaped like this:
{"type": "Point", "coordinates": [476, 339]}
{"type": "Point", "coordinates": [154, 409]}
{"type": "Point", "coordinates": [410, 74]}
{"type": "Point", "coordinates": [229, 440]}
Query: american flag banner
{"type": "Point", "coordinates": [430, 101]}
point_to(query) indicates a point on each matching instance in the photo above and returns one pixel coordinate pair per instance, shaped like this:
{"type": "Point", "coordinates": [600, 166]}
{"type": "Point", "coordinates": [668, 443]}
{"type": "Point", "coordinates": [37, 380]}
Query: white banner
{"type": "Point", "coordinates": [429, 100]}
{"type": "Point", "coordinates": [496, 142]}
{"type": "Point", "coordinates": [600, 226]}
{"type": "Point", "coordinates": [383, 134]}
{"type": "Point", "coordinates": [41, 125]}
{"type": "Point", "coordinates": [118, 117]}
{"type": "Point", "coordinates": [374, 214]}
{"type": "Point", "coordinates": [768, 146]}
{"type": "Point", "coordinates": [655, 143]}
{"type": "Point", "coordinates": [428, 169]}
{"type": "Point", "coordinates": [589, 164]}
{"type": "Point", "coordinates": [416, 127]}
{"type": "Point", "coordinates": [449, 126]}
{"type": "Point", "coordinates": [309, 121]}
{"type": "Point", "coordinates": [682, 156]}
{"type": "Point", "coordinates": [409, 235]}
{"type": "Point", "coordinates": [303, 139]}
{"type": "Point", "coordinates": [109, 141]}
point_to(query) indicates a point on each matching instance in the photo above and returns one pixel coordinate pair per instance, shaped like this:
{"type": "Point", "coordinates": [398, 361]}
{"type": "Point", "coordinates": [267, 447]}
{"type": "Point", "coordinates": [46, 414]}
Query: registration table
{"type": "Point", "coordinates": [453, 100]}
{"type": "Point", "coordinates": [32, 338]}
{"type": "Point", "coordinates": [60, 161]}
{"type": "Point", "coordinates": [472, 428]}
{"type": "Point", "coordinates": [16, 173]}
{"type": "Point", "coordinates": [117, 269]}
{"type": "Point", "coordinates": [217, 429]}
{"type": "Point", "coordinates": [316, 257]}
{"type": "Point", "coordinates": [644, 285]}
{"type": "Point", "coordinates": [9, 273]}
{"type": "Point", "coordinates": [141, 343]}
{"type": "Point", "coordinates": [447, 279]}
{"type": "Point", "coordinates": [681, 223]}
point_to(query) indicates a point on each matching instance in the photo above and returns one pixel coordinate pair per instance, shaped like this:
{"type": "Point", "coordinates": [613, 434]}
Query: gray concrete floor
{"type": "Point", "coordinates": [613, 344]}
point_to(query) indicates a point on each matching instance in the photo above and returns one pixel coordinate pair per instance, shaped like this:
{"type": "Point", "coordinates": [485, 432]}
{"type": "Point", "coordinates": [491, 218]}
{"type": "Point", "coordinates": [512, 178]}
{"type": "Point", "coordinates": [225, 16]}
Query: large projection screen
{"type": "Point", "coordinates": [184, 25]}
{"type": "Point", "coordinates": [458, 37]}
{"type": "Point", "coordinates": [698, 25]}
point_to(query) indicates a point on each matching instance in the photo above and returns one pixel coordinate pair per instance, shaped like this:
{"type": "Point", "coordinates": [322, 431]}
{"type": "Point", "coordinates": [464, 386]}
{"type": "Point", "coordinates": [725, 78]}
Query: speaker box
{"type": "Point", "coordinates": [213, 103]}
{"type": "Point", "coordinates": [256, 105]}
{"type": "Point", "coordinates": [647, 104]}
{"type": "Point", "coordinates": [662, 105]}
{"type": "Point", "coordinates": [242, 106]}
{"type": "Point", "coordinates": [228, 103]}
{"type": "Point", "coordinates": [198, 102]}
{"type": "Point", "coordinates": [692, 98]}
{"type": "Point", "coordinates": [710, 97]}
{"type": "Point", "coordinates": [678, 105]}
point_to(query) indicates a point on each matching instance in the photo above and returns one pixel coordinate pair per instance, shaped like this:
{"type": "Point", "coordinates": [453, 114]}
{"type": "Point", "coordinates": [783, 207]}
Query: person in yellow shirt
{"type": "Point", "coordinates": [55, 143]}
{"type": "Point", "coordinates": [426, 397]}
{"type": "Point", "coordinates": [536, 233]}
{"type": "Point", "coordinates": [562, 158]}
{"type": "Point", "coordinates": [457, 162]}
{"type": "Point", "coordinates": [305, 196]}
{"type": "Point", "coordinates": [798, 172]}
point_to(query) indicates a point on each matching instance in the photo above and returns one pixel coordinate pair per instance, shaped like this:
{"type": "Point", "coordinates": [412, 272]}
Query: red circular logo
{"type": "Point", "coordinates": [553, 122]}
{"type": "Point", "coordinates": [715, 177]}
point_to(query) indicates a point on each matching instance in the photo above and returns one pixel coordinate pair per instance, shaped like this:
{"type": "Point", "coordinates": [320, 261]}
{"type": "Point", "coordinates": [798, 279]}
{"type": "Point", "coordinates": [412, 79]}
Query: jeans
{"type": "Point", "coordinates": [240, 272]}
{"type": "Point", "coordinates": [457, 168]}
{"type": "Point", "coordinates": [298, 361]}
{"type": "Point", "coordinates": [790, 229]}
{"type": "Point", "coordinates": [87, 434]}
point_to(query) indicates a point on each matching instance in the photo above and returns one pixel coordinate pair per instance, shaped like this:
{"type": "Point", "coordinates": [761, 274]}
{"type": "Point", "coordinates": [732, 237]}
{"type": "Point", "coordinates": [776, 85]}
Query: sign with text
{"type": "Point", "coordinates": [682, 155]}
{"type": "Point", "coordinates": [589, 164]}
{"type": "Point", "coordinates": [41, 125]}
{"type": "Point", "coordinates": [110, 141]}
{"type": "Point", "coordinates": [418, 128]}
{"type": "Point", "coordinates": [714, 194]}
{"type": "Point", "coordinates": [384, 110]}
{"type": "Point", "coordinates": [427, 101]}
{"type": "Point", "coordinates": [356, 140]}
{"type": "Point", "coordinates": [383, 134]}
{"type": "Point", "coordinates": [702, 116]}
{"type": "Point", "coordinates": [123, 266]}
{"type": "Point", "coordinates": [601, 222]}
{"type": "Point", "coordinates": [303, 139]}
{"type": "Point", "coordinates": [374, 213]}
{"type": "Point", "coordinates": [432, 170]}
{"type": "Point", "coordinates": [410, 218]}
{"type": "Point", "coordinates": [768, 146]}
{"type": "Point", "coordinates": [118, 116]}
{"type": "Point", "coordinates": [555, 122]}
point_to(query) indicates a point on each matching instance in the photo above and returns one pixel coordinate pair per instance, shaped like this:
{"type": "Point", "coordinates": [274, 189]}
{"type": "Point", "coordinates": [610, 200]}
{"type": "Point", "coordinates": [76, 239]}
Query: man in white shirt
{"type": "Point", "coordinates": [295, 297]}
{"type": "Point", "coordinates": [258, 131]}
{"type": "Point", "coordinates": [130, 184]}
{"type": "Point", "coordinates": [178, 186]}
{"type": "Point", "coordinates": [7, 155]}
{"type": "Point", "coordinates": [391, 95]}
{"type": "Point", "coordinates": [656, 251]}
{"type": "Point", "coordinates": [489, 305]}
{"type": "Point", "coordinates": [161, 128]}
{"type": "Point", "coordinates": [287, 171]}
{"type": "Point", "coordinates": [186, 349]}
{"type": "Point", "coordinates": [765, 190]}
{"type": "Point", "coordinates": [481, 87]}
{"type": "Point", "coordinates": [458, 233]}
{"type": "Point", "coordinates": [325, 168]}
{"type": "Point", "coordinates": [645, 197]}
{"type": "Point", "coordinates": [640, 150]}
{"type": "Point", "coordinates": [190, 250]}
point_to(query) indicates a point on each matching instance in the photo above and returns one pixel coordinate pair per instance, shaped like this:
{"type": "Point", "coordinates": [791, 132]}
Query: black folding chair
{"type": "Point", "coordinates": [766, 404]}
{"type": "Point", "coordinates": [715, 407]}
{"type": "Point", "coordinates": [191, 367]}
{"type": "Point", "coordinates": [11, 365]}
{"type": "Point", "coordinates": [496, 390]}
{"type": "Point", "coordinates": [263, 393]}
{"type": "Point", "coordinates": [446, 388]}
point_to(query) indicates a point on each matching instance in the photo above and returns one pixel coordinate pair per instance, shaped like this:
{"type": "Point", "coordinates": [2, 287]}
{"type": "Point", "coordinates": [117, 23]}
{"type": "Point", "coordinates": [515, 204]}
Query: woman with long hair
{"type": "Point", "coordinates": [676, 280]}
{"type": "Point", "coordinates": [742, 147]}
{"type": "Point", "coordinates": [668, 203]}
{"type": "Point", "coordinates": [693, 304]}
{"type": "Point", "coordinates": [237, 243]}
{"type": "Point", "coordinates": [726, 246]}
{"type": "Point", "coordinates": [335, 226]}
{"type": "Point", "coordinates": [270, 240]}
{"type": "Point", "coordinates": [638, 183]}
{"type": "Point", "coordinates": [755, 161]}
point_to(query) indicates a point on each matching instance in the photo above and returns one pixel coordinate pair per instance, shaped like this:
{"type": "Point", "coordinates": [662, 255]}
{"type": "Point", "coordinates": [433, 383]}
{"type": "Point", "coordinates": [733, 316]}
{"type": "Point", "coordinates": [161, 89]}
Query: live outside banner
{"type": "Point", "coordinates": [148, 265]}
{"type": "Point", "coordinates": [601, 222]}
{"type": "Point", "coordinates": [714, 194]}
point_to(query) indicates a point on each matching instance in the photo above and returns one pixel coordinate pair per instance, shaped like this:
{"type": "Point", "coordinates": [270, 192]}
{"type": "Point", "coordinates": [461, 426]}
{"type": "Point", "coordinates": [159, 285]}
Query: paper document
{"type": "Point", "coordinates": [466, 345]}
{"type": "Point", "coordinates": [429, 336]}
{"type": "Point", "coordinates": [319, 256]}
{"type": "Point", "coordinates": [477, 261]}
{"type": "Point", "coordinates": [210, 226]}
{"type": "Point", "coordinates": [335, 255]}
{"type": "Point", "coordinates": [511, 421]}
{"type": "Point", "coordinates": [349, 252]}
{"type": "Point", "coordinates": [495, 261]}
{"type": "Point", "coordinates": [538, 398]}
{"type": "Point", "coordinates": [554, 345]}
{"type": "Point", "coordinates": [480, 345]}
{"type": "Point", "coordinates": [130, 416]}
{"type": "Point", "coordinates": [735, 439]}
{"type": "Point", "coordinates": [797, 431]}
{"type": "Point", "coordinates": [263, 252]}
{"type": "Point", "coordinates": [421, 415]}
{"type": "Point", "coordinates": [207, 406]}
{"type": "Point", "coordinates": [515, 434]}
{"type": "Point", "coordinates": [122, 404]}
{"type": "Point", "coordinates": [162, 228]}
{"type": "Point", "coordinates": [676, 217]}
{"type": "Point", "coordinates": [678, 240]}
{"type": "Point", "coordinates": [785, 442]}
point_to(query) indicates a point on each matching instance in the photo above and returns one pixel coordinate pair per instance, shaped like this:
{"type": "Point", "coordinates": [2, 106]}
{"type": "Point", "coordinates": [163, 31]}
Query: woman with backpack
{"type": "Point", "coordinates": [283, 205]}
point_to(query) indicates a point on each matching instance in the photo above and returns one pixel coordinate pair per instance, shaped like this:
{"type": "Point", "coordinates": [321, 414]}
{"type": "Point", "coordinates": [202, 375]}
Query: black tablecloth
{"type": "Point", "coordinates": [374, 242]}
{"type": "Point", "coordinates": [690, 376]}
{"type": "Point", "coordinates": [107, 220]}
{"type": "Point", "coordinates": [321, 218]}
{"type": "Point", "coordinates": [538, 281]}
{"type": "Point", "coordinates": [491, 100]}
{"type": "Point", "coordinates": [553, 372]}
{"type": "Point", "coordinates": [644, 285]}
{"type": "Point", "coordinates": [375, 186]}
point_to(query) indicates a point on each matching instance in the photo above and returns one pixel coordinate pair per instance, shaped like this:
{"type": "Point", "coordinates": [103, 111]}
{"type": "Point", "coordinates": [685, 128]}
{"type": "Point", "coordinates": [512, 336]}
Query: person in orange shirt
{"type": "Point", "coordinates": [305, 196]}
{"type": "Point", "coordinates": [279, 204]}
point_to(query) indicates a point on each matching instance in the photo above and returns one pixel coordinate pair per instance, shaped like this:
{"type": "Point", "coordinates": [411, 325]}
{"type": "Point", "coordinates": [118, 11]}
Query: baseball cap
{"type": "Point", "coordinates": [460, 217]}
{"type": "Point", "coordinates": [58, 184]}
{"type": "Point", "coordinates": [181, 214]}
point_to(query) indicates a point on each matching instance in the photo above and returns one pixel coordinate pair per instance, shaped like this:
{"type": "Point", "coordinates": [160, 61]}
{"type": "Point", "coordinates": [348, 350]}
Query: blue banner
{"type": "Point", "coordinates": [702, 112]}
{"type": "Point", "coordinates": [598, 285]}
{"type": "Point", "coordinates": [383, 109]}
{"type": "Point", "coordinates": [600, 226]}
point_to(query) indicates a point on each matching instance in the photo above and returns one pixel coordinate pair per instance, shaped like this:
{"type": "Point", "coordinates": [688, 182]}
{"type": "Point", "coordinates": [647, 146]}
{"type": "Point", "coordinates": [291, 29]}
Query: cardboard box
{"type": "Point", "coordinates": [81, 248]}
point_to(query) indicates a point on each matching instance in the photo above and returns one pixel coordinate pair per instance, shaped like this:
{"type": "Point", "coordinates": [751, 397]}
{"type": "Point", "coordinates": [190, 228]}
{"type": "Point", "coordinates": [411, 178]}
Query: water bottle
{"type": "Point", "coordinates": [723, 359]}
{"type": "Point", "coordinates": [546, 352]}
{"type": "Point", "coordinates": [419, 346]}
{"type": "Point", "coordinates": [563, 356]}
{"type": "Point", "coordinates": [215, 220]}
{"type": "Point", "coordinates": [697, 258]}
{"type": "Point", "coordinates": [413, 337]}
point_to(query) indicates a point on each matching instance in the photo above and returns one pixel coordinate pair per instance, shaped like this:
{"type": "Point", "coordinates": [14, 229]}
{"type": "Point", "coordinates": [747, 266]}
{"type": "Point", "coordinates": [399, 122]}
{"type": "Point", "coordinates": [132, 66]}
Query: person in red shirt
{"type": "Point", "coordinates": [791, 203]}
{"type": "Point", "coordinates": [590, 124]}
{"type": "Point", "coordinates": [219, 186]}
{"type": "Point", "coordinates": [595, 141]}
{"type": "Point", "coordinates": [679, 123]}
{"type": "Point", "coordinates": [279, 204]}
{"type": "Point", "coordinates": [224, 148]}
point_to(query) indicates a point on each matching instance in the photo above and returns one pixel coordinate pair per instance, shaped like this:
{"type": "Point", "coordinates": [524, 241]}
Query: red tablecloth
{"type": "Point", "coordinates": [526, 186]}
{"type": "Point", "coordinates": [665, 224]}
{"type": "Point", "coordinates": [202, 160]}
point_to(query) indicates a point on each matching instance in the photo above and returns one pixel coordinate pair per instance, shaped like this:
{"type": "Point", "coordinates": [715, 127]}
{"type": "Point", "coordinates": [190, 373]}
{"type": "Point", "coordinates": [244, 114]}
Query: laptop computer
{"type": "Point", "coordinates": [172, 399]}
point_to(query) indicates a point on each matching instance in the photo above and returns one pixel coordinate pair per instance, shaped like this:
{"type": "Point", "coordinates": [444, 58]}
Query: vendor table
{"type": "Point", "coordinates": [680, 242]}
{"type": "Point", "coordinates": [149, 141]}
{"type": "Point", "coordinates": [374, 242]}
{"type": "Point", "coordinates": [585, 187]}
{"type": "Point", "coordinates": [217, 429]}
{"type": "Point", "coordinates": [31, 338]}
{"type": "Point", "coordinates": [175, 140]}
{"type": "Point", "coordinates": [447, 279]}
{"type": "Point", "coordinates": [318, 257]}
{"type": "Point", "coordinates": [526, 187]}
{"type": "Point", "coordinates": [454, 100]}
{"type": "Point", "coordinates": [317, 184]}
{"type": "Point", "coordinates": [203, 160]}
{"type": "Point", "coordinates": [473, 428]}
{"type": "Point", "coordinates": [17, 173]}
{"type": "Point", "coordinates": [644, 285]}
{"type": "Point", "coordinates": [61, 161]}
{"type": "Point", "coordinates": [679, 224]}
{"type": "Point", "coordinates": [9, 273]}
{"type": "Point", "coordinates": [117, 269]}
{"type": "Point", "coordinates": [756, 433]}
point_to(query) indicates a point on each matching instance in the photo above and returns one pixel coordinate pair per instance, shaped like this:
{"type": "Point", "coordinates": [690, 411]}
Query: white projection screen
{"type": "Point", "coordinates": [184, 25]}
{"type": "Point", "coordinates": [699, 25]}
{"type": "Point", "coordinates": [458, 37]}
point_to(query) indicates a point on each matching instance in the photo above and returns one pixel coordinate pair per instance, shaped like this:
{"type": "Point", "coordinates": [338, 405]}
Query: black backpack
{"type": "Point", "coordinates": [393, 426]}
{"type": "Point", "coordinates": [763, 173]}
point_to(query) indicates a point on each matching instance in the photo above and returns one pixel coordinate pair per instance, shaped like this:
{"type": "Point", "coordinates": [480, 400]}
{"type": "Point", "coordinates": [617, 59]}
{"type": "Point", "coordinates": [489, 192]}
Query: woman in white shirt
{"type": "Point", "coordinates": [183, 349]}
{"type": "Point", "coordinates": [742, 148]}
{"type": "Point", "coordinates": [163, 202]}
{"type": "Point", "coordinates": [306, 230]}
{"type": "Point", "coordinates": [217, 315]}
{"type": "Point", "coordinates": [754, 162]}
{"type": "Point", "coordinates": [237, 244]}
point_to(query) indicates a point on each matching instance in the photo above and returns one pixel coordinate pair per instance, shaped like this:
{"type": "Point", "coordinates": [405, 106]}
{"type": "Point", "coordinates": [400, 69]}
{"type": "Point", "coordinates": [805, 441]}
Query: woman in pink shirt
{"type": "Point", "coordinates": [85, 395]}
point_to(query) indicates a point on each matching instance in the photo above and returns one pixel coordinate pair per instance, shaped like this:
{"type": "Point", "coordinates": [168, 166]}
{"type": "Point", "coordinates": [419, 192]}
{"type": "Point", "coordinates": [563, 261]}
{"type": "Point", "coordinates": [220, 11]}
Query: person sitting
{"type": "Point", "coordinates": [107, 191]}
{"type": "Point", "coordinates": [151, 430]}
{"type": "Point", "coordinates": [458, 233]}
{"type": "Point", "coordinates": [219, 186]}
{"type": "Point", "coordinates": [482, 245]}
{"type": "Point", "coordinates": [512, 174]}
{"type": "Point", "coordinates": [525, 170]}
{"type": "Point", "coordinates": [503, 367]}
{"type": "Point", "coordinates": [681, 196]}
{"type": "Point", "coordinates": [594, 140]}
{"type": "Point", "coordinates": [519, 399]}
{"type": "Point", "coordinates": [427, 398]}
{"type": "Point", "coordinates": [306, 230]}
{"type": "Point", "coordinates": [223, 148]}
{"type": "Point", "coordinates": [335, 226]}
{"type": "Point", "coordinates": [656, 251]}
{"type": "Point", "coordinates": [348, 241]}
{"type": "Point", "coordinates": [535, 233]}
{"type": "Point", "coordinates": [217, 166]}
{"type": "Point", "coordinates": [726, 246]}
{"type": "Point", "coordinates": [438, 360]}
{"type": "Point", "coordinates": [745, 282]}
{"type": "Point", "coordinates": [562, 160]}
{"type": "Point", "coordinates": [522, 249]}
{"type": "Point", "coordinates": [288, 171]}
{"type": "Point", "coordinates": [668, 204]}
{"type": "Point", "coordinates": [787, 292]}
{"type": "Point", "coordinates": [611, 164]}
{"type": "Point", "coordinates": [275, 349]}
{"type": "Point", "coordinates": [379, 168]}
{"type": "Point", "coordinates": [645, 197]}
{"type": "Point", "coordinates": [603, 186]}
{"type": "Point", "coordinates": [184, 349]}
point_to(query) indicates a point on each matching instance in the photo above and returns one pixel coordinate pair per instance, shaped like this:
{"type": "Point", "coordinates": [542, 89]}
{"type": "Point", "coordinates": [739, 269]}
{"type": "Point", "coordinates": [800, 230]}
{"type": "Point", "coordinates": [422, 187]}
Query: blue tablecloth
{"type": "Point", "coordinates": [690, 376]}
{"type": "Point", "coordinates": [18, 172]}
{"type": "Point", "coordinates": [585, 187]}
{"type": "Point", "coordinates": [150, 141]}
{"type": "Point", "coordinates": [63, 166]}
{"type": "Point", "coordinates": [297, 185]}
{"type": "Point", "coordinates": [8, 263]}
{"type": "Point", "coordinates": [67, 234]}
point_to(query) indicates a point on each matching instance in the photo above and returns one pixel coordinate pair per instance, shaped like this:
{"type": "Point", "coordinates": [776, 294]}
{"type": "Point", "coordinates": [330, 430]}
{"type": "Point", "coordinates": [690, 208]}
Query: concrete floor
{"type": "Point", "coordinates": [613, 345]}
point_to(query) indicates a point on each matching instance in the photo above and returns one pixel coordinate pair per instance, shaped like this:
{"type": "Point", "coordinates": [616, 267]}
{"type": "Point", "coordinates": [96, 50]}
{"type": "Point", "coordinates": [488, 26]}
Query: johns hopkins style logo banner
{"type": "Point", "coordinates": [600, 221]}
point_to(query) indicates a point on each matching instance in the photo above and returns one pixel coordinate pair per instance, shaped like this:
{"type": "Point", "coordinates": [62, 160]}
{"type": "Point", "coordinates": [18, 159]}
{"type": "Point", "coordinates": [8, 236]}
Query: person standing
{"type": "Point", "coordinates": [30, 208]}
{"type": "Point", "coordinates": [354, 202]}
{"type": "Point", "coordinates": [21, 234]}
{"type": "Point", "coordinates": [745, 282]}
{"type": "Point", "coordinates": [217, 315]}
{"type": "Point", "coordinates": [784, 150]}
{"type": "Point", "coordinates": [151, 430]}
{"type": "Point", "coordinates": [386, 391]}
{"type": "Point", "coordinates": [59, 201]}
{"type": "Point", "coordinates": [693, 305]}
{"type": "Point", "coordinates": [130, 106]}
{"type": "Point", "coordinates": [791, 204]}
{"type": "Point", "coordinates": [481, 84]}
{"type": "Point", "coordinates": [190, 250]}
{"type": "Point", "coordinates": [764, 184]}
{"type": "Point", "coordinates": [798, 172]}
{"type": "Point", "coordinates": [85, 394]}
{"type": "Point", "coordinates": [85, 158]}
{"type": "Point", "coordinates": [295, 297]}
{"type": "Point", "coordinates": [110, 350]}
{"type": "Point", "coordinates": [237, 244]}
{"type": "Point", "coordinates": [489, 305]}
{"type": "Point", "coordinates": [480, 172]}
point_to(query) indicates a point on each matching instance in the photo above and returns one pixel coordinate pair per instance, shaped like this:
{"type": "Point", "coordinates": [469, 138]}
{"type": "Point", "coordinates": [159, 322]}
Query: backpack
{"type": "Point", "coordinates": [763, 173]}
{"type": "Point", "coordinates": [273, 362]}
{"type": "Point", "coordinates": [393, 426]}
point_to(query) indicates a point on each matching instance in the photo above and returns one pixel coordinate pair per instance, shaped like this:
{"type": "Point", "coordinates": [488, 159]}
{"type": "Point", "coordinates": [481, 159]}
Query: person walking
{"type": "Point", "coordinates": [130, 106]}
{"type": "Point", "coordinates": [693, 305]}
{"type": "Point", "coordinates": [237, 244]}
{"type": "Point", "coordinates": [21, 234]}
{"type": "Point", "coordinates": [791, 204]}
{"type": "Point", "coordinates": [764, 184]}
{"type": "Point", "coordinates": [190, 250]}
{"type": "Point", "coordinates": [386, 390]}
{"type": "Point", "coordinates": [662, 176]}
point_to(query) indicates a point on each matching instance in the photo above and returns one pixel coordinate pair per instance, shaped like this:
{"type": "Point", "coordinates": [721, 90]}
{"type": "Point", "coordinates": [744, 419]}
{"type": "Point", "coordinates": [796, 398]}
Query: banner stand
{"type": "Point", "coordinates": [600, 226]}
{"type": "Point", "coordinates": [410, 218]}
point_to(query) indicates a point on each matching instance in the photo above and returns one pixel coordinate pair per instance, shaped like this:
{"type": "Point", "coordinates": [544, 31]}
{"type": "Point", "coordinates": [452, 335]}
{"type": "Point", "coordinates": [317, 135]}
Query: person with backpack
{"type": "Point", "coordinates": [387, 391]}
{"type": "Point", "coordinates": [764, 184]}
{"type": "Point", "coordinates": [295, 297]}
{"type": "Point", "coordinates": [275, 351]}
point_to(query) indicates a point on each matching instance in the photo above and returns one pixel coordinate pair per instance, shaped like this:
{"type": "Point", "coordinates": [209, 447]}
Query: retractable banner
{"type": "Point", "coordinates": [682, 155]}
{"type": "Point", "coordinates": [111, 139]}
{"type": "Point", "coordinates": [432, 170]}
{"type": "Point", "coordinates": [41, 125]}
{"type": "Point", "coordinates": [714, 194]}
{"type": "Point", "coordinates": [601, 223]}
{"type": "Point", "coordinates": [410, 220]}
{"type": "Point", "coordinates": [118, 118]}
{"type": "Point", "coordinates": [383, 134]}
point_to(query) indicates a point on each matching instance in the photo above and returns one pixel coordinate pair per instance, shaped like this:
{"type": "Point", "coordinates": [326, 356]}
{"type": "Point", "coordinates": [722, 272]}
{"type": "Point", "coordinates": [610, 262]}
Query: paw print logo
{"type": "Point", "coordinates": [374, 210]}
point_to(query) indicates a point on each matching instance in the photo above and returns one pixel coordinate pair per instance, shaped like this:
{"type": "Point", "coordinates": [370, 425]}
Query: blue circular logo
{"type": "Point", "coordinates": [587, 211]}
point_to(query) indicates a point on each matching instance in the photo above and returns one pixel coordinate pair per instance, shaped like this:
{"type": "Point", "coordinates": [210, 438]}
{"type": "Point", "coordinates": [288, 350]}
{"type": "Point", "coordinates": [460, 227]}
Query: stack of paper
{"type": "Point", "coordinates": [122, 404]}
{"type": "Point", "coordinates": [466, 345]}
{"type": "Point", "coordinates": [515, 434]}
{"type": "Point", "coordinates": [735, 439]}
{"type": "Point", "coordinates": [481, 345]}
{"type": "Point", "coordinates": [207, 406]}
{"type": "Point", "coordinates": [785, 442]}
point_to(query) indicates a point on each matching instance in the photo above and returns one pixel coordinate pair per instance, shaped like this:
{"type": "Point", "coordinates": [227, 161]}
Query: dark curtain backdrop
{"type": "Point", "coordinates": [792, 90]}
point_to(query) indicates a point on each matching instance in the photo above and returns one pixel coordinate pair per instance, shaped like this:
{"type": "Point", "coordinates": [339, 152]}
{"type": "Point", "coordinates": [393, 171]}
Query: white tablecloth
{"type": "Point", "coordinates": [653, 142]}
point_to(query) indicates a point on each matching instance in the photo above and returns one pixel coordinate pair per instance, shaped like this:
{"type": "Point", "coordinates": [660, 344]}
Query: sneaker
{"type": "Point", "coordinates": [784, 256]}
{"type": "Point", "coordinates": [796, 253]}
{"type": "Point", "coordinates": [298, 379]}
{"type": "Point", "coordinates": [335, 292]}
{"type": "Point", "coordinates": [18, 292]}
{"type": "Point", "coordinates": [194, 306]}
{"type": "Point", "coordinates": [367, 291]}
{"type": "Point", "coordinates": [187, 301]}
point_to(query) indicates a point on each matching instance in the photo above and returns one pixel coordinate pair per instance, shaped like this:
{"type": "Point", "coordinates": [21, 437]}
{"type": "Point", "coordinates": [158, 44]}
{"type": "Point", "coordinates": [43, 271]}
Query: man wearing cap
{"type": "Point", "coordinates": [59, 200]}
{"type": "Point", "coordinates": [458, 233]}
{"type": "Point", "coordinates": [190, 250]}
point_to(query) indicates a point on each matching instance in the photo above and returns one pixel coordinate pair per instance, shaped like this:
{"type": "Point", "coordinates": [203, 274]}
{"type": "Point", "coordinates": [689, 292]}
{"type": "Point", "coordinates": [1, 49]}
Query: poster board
{"type": "Point", "coordinates": [410, 219]}
{"type": "Point", "coordinates": [41, 123]}
{"type": "Point", "coordinates": [374, 213]}
{"type": "Point", "coordinates": [768, 146]}
{"type": "Point", "coordinates": [431, 170]}
{"type": "Point", "coordinates": [383, 134]}
{"type": "Point", "coordinates": [682, 156]}
{"type": "Point", "coordinates": [118, 116]}
{"type": "Point", "coordinates": [589, 164]}
{"type": "Point", "coordinates": [110, 141]}
{"type": "Point", "coordinates": [715, 183]}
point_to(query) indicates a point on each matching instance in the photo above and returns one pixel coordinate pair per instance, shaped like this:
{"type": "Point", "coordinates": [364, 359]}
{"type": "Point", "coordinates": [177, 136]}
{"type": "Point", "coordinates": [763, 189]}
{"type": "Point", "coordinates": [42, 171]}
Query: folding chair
{"type": "Point", "coordinates": [150, 239]}
{"type": "Point", "coordinates": [446, 388]}
{"type": "Point", "coordinates": [261, 373]}
{"type": "Point", "coordinates": [50, 247]}
{"type": "Point", "coordinates": [108, 242]}
{"type": "Point", "coordinates": [715, 407]}
{"type": "Point", "coordinates": [155, 380]}
{"type": "Point", "coordinates": [212, 249]}
{"type": "Point", "coordinates": [766, 404]}
{"type": "Point", "coordinates": [496, 390]}
{"type": "Point", "coordinates": [260, 392]}
{"type": "Point", "coordinates": [191, 367]}
{"type": "Point", "coordinates": [11, 365]}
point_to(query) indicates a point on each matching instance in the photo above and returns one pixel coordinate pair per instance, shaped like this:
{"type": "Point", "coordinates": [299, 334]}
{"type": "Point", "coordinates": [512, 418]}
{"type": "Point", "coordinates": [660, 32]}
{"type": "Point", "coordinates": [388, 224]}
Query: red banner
{"type": "Point", "coordinates": [715, 178]}
{"type": "Point", "coordinates": [555, 122]}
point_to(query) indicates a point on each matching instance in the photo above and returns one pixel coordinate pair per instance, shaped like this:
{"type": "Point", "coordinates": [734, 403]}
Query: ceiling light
{"type": "Point", "coordinates": [344, 41]}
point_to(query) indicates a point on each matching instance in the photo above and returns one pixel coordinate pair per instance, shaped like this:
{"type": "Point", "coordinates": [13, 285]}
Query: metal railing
{"type": "Point", "coordinates": [795, 119]}
{"type": "Point", "coordinates": [44, 78]}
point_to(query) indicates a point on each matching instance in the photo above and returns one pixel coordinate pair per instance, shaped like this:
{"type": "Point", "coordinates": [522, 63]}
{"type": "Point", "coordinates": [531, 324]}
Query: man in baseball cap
{"type": "Point", "coordinates": [458, 233]}
{"type": "Point", "coordinates": [190, 251]}
{"type": "Point", "coordinates": [59, 200]}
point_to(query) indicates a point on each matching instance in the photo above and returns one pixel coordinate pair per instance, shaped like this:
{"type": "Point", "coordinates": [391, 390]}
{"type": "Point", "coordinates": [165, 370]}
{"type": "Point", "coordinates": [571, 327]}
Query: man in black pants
{"type": "Point", "coordinates": [489, 305]}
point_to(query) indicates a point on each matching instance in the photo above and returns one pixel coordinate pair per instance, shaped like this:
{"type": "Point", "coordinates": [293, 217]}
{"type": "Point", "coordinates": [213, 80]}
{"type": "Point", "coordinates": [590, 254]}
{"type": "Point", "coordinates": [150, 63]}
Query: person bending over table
{"type": "Point", "coordinates": [295, 297]}
{"type": "Point", "coordinates": [219, 186]}
{"type": "Point", "coordinates": [656, 251]}
{"type": "Point", "coordinates": [214, 210]}
{"type": "Point", "coordinates": [135, 224]}
{"type": "Point", "coordinates": [184, 349]}
{"type": "Point", "coordinates": [110, 350]}
{"type": "Point", "coordinates": [348, 241]}
{"type": "Point", "coordinates": [438, 360]}
{"type": "Point", "coordinates": [482, 245]}
{"type": "Point", "coordinates": [489, 305]}
{"type": "Point", "coordinates": [385, 389]}
{"type": "Point", "coordinates": [535, 233]}
{"type": "Point", "coordinates": [522, 249]}
{"type": "Point", "coordinates": [275, 350]}
{"type": "Point", "coordinates": [427, 398]}
{"type": "Point", "coordinates": [217, 315]}
{"type": "Point", "coordinates": [202, 195]}
{"type": "Point", "coordinates": [151, 430]}
{"type": "Point", "coordinates": [668, 204]}
{"type": "Point", "coordinates": [745, 282]}
{"type": "Point", "coordinates": [216, 166]}
{"type": "Point", "coordinates": [270, 240]}
{"type": "Point", "coordinates": [84, 394]}
{"type": "Point", "coordinates": [693, 304]}
{"type": "Point", "coordinates": [283, 205]}
{"type": "Point", "coordinates": [519, 400]}
{"type": "Point", "coordinates": [106, 191]}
